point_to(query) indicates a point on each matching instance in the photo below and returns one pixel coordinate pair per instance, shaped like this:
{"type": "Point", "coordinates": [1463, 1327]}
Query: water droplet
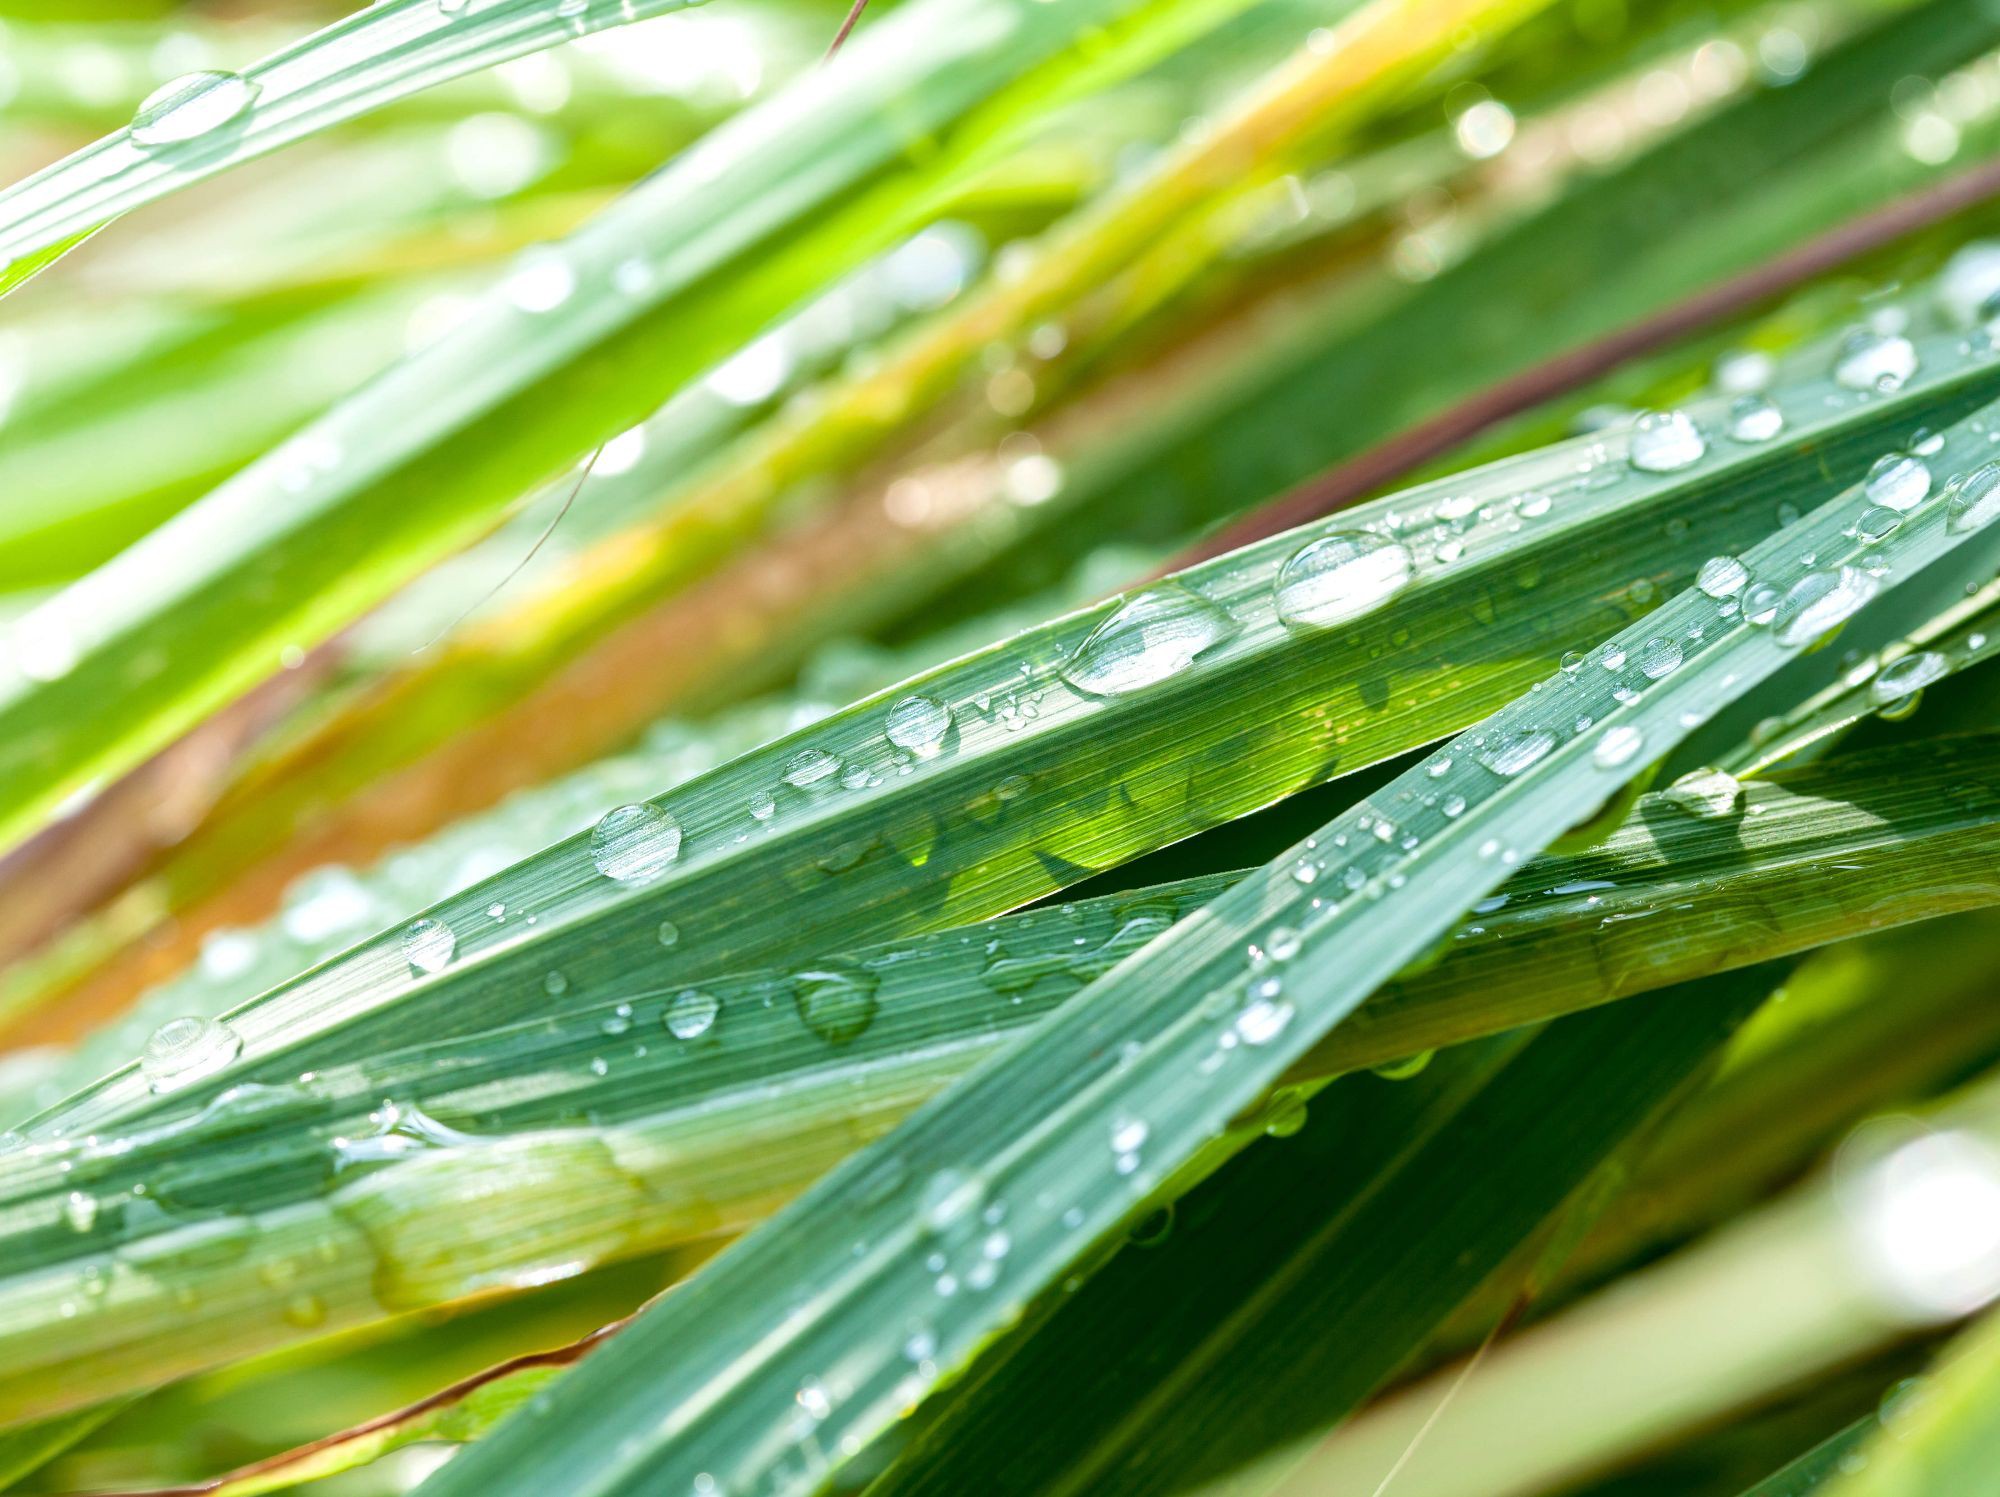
{"type": "Point", "coordinates": [1283, 943]}
{"type": "Point", "coordinates": [1877, 524]}
{"type": "Point", "coordinates": [669, 933]}
{"type": "Point", "coordinates": [540, 282]}
{"type": "Point", "coordinates": [1659, 656]}
{"type": "Point", "coordinates": [1263, 1020]}
{"type": "Point", "coordinates": [1906, 677]}
{"type": "Point", "coordinates": [762, 805]}
{"type": "Point", "coordinates": [1973, 499]}
{"type": "Point", "coordinates": [1340, 577]}
{"type": "Point", "coordinates": [692, 1014]}
{"type": "Point", "coordinates": [79, 1211]}
{"type": "Point", "coordinates": [1514, 752]}
{"type": "Point", "coordinates": [810, 767]}
{"type": "Point", "coordinates": [918, 725]}
{"type": "Point", "coordinates": [1616, 746]}
{"type": "Point", "coordinates": [837, 1004]}
{"type": "Point", "coordinates": [428, 945]}
{"type": "Point", "coordinates": [1722, 576]}
{"type": "Point", "coordinates": [190, 107]}
{"type": "Point", "coordinates": [1666, 442]}
{"type": "Point", "coordinates": [635, 843]}
{"type": "Point", "coordinates": [1287, 1115]}
{"type": "Point", "coordinates": [185, 1050]}
{"type": "Point", "coordinates": [1875, 361]}
{"type": "Point", "coordinates": [1129, 1134]}
{"type": "Point", "coordinates": [1820, 601]}
{"type": "Point", "coordinates": [1404, 1069]}
{"type": "Point", "coordinates": [1897, 482]}
{"type": "Point", "coordinates": [1754, 418]}
{"type": "Point", "coordinates": [1154, 636]}
{"type": "Point", "coordinates": [1705, 793]}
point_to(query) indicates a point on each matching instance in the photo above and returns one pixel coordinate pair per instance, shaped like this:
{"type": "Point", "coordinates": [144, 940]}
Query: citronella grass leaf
{"type": "Point", "coordinates": [1305, 1272]}
{"type": "Point", "coordinates": [211, 120]}
{"type": "Point", "coordinates": [1115, 1094]}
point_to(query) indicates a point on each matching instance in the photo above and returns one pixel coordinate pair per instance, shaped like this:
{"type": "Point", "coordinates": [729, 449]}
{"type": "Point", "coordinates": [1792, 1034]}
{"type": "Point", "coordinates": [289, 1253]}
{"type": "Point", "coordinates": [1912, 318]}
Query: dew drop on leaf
{"type": "Point", "coordinates": [1897, 481]}
{"type": "Point", "coordinates": [1508, 755]}
{"type": "Point", "coordinates": [837, 1004]}
{"type": "Point", "coordinates": [1705, 793]}
{"type": "Point", "coordinates": [428, 945]}
{"type": "Point", "coordinates": [1875, 361]}
{"type": "Point", "coordinates": [809, 767]}
{"type": "Point", "coordinates": [1659, 656]}
{"type": "Point", "coordinates": [1722, 576]}
{"type": "Point", "coordinates": [1154, 636]}
{"type": "Point", "coordinates": [1666, 442]}
{"type": "Point", "coordinates": [1973, 499]}
{"type": "Point", "coordinates": [1904, 678]}
{"type": "Point", "coordinates": [692, 1014]}
{"type": "Point", "coordinates": [1340, 577]}
{"type": "Point", "coordinates": [635, 843]}
{"type": "Point", "coordinates": [1819, 601]}
{"type": "Point", "coordinates": [1754, 418]}
{"type": "Point", "coordinates": [1404, 1069]}
{"type": "Point", "coordinates": [918, 725]}
{"type": "Point", "coordinates": [190, 107]}
{"type": "Point", "coordinates": [185, 1050]}
{"type": "Point", "coordinates": [1616, 746]}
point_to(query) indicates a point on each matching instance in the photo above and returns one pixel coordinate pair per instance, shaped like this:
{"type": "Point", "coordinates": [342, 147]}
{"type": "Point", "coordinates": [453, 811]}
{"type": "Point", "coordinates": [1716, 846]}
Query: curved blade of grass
{"type": "Point", "coordinates": [1940, 1433]}
{"type": "Point", "coordinates": [1812, 1472]}
{"type": "Point", "coordinates": [1112, 1097]}
{"type": "Point", "coordinates": [1302, 1276]}
{"type": "Point", "coordinates": [374, 57]}
{"type": "Point", "coordinates": [580, 344]}
{"type": "Point", "coordinates": [1018, 805]}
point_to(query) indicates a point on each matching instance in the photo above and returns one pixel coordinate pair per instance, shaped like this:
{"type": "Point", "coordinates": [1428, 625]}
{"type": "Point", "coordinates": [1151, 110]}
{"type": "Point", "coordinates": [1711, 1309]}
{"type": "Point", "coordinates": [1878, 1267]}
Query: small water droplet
{"type": "Point", "coordinates": [635, 844]}
{"type": "Point", "coordinates": [1897, 481]}
{"type": "Point", "coordinates": [810, 767]}
{"type": "Point", "coordinates": [1340, 577]}
{"type": "Point", "coordinates": [79, 1210]}
{"type": "Point", "coordinates": [1666, 442]}
{"type": "Point", "coordinates": [1876, 524]}
{"type": "Point", "coordinates": [541, 281]}
{"type": "Point", "coordinates": [918, 725]}
{"type": "Point", "coordinates": [1973, 500]}
{"type": "Point", "coordinates": [1754, 418]}
{"type": "Point", "coordinates": [190, 107]}
{"type": "Point", "coordinates": [837, 1004]}
{"type": "Point", "coordinates": [669, 933]}
{"type": "Point", "coordinates": [1875, 361]}
{"type": "Point", "coordinates": [1722, 576]}
{"type": "Point", "coordinates": [428, 945]}
{"type": "Point", "coordinates": [763, 805]}
{"type": "Point", "coordinates": [1156, 635]}
{"type": "Point", "coordinates": [1263, 1020]}
{"type": "Point", "coordinates": [692, 1014]}
{"type": "Point", "coordinates": [182, 1051]}
{"type": "Point", "coordinates": [1659, 656]}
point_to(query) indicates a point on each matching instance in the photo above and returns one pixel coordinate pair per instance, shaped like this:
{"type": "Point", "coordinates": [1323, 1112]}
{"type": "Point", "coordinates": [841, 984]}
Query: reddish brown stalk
{"type": "Point", "coordinates": [561, 1356]}
{"type": "Point", "coordinates": [1387, 461]}
{"type": "Point", "coordinates": [853, 15]}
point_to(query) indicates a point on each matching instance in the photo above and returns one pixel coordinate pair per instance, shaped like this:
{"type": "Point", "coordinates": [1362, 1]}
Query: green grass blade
{"type": "Point", "coordinates": [1308, 1269]}
{"type": "Point", "coordinates": [1939, 1433]}
{"type": "Point", "coordinates": [380, 54]}
{"type": "Point", "coordinates": [1113, 1095]}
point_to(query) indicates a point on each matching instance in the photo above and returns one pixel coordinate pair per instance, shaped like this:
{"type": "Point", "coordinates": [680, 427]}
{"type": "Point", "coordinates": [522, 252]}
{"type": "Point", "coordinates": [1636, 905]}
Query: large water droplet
{"type": "Point", "coordinates": [1616, 746]}
{"type": "Point", "coordinates": [1754, 418]}
{"type": "Point", "coordinates": [1722, 576]}
{"type": "Point", "coordinates": [1973, 499]}
{"type": "Point", "coordinates": [1340, 577]}
{"type": "Point", "coordinates": [836, 1003]}
{"type": "Point", "coordinates": [635, 843]}
{"type": "Point", "coordinates": [428, 945]}
{"type": "Point", "coordinates": [1513, 752]}
{"type": "Point", "coordinates": [1907, 676]}
{"type": "Point", "coordinates": [1819, 601]}
{"type": "Point", "coordinates": [190, 107]}
{"type": "Point", "coordinates": [692, 1014]}
{"type": "Point", "coordinates": [1875, 361]}
{"type": "Point", "coordinates": [1659, 656]}
{"type": "Point", "coordinates": [1154, 636]}
{"type": "Point", "coordinates": [1897, 481]}
{"type": "Point", "coordinates": [1666, 442]}
{"type": "Point", "coordinates": [918, 725]}
{"type": "Point", "coordinates": [1705, 793]}
{"type": "Point", "coordinates": [185, 1050]}
{"type": "Point", "coordinates": [1970, 282]}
